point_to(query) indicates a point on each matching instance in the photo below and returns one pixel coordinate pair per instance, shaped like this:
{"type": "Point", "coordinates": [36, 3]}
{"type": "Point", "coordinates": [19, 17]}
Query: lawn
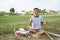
{"type": "Point", "coordinates": [8, 23]}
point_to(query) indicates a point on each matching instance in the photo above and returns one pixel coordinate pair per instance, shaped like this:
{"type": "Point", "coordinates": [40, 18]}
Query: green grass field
{"type": "Point", "coordinates": [8, 23]}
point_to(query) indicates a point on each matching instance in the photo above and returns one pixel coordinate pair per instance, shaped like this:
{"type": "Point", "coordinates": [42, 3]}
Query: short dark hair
{"type": "Point", "coordinates": [36, 8]}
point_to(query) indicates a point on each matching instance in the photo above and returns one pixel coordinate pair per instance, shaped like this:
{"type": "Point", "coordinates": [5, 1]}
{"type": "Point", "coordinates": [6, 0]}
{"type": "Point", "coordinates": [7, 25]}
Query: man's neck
{"type": "Point", "coordinates": [36, 16]}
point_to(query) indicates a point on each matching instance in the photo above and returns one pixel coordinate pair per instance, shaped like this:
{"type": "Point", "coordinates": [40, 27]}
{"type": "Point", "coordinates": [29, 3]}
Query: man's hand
{"type": "Point", "coordinates": [44, 23]}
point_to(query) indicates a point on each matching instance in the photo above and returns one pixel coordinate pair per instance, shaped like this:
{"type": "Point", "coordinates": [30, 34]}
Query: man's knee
{"type": "Point", "coordinates": [41, 32]}
{"type": "Point", "coordinates": [32, 31]}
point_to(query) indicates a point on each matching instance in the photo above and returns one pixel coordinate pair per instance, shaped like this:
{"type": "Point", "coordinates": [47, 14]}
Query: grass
{"type": "Point", "coordinates": [8, 23]}
{"type": "Point", "coordinates": [53, 23]}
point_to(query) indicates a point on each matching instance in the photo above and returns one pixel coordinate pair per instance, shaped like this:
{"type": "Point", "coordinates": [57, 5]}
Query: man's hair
{"type": "Point", "coordinates": [36, 8]}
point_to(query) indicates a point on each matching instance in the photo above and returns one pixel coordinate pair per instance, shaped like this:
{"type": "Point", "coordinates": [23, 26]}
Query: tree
{"type": "Point", "coordinates": [12, 10]}
{"type": "Point", "coordinates": [39, 10]}
{"type": "Point", "coordinates": [44, 11]}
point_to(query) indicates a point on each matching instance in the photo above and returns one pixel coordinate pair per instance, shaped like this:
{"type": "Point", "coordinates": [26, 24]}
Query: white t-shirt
{"type": "Point", "coordinates": [36, 22]}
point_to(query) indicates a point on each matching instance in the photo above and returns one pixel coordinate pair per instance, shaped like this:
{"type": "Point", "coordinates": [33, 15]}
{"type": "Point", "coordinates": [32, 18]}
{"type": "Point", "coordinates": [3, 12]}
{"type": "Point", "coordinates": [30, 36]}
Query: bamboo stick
{"type": "Point", "coordinates": [48, 35]}
{"type": "Point", "coordinates": [57, 35]}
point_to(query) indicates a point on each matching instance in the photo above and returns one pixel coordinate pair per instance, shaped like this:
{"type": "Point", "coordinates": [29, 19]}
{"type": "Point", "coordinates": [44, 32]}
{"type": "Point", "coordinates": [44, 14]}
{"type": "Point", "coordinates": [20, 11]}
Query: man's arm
{"type": "Point", "coordinates": [43, 23]}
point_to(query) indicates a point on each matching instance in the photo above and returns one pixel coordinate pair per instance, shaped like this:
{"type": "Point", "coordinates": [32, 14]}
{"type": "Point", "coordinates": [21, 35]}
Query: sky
{"type": "Point", "coordinates": [20, 5]}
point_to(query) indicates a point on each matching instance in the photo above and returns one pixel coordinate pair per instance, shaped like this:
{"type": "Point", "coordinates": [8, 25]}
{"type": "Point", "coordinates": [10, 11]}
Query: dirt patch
{"type": "Point", "coordinates": [13, 37]}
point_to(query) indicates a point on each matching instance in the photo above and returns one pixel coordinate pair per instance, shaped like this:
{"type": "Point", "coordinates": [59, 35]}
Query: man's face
{"type": "Point", "coordinates": [36, 11]}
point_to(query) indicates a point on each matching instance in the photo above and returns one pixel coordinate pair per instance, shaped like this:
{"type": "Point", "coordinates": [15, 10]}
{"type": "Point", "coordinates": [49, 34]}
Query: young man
{"type": "Point", "coordinates": [35, 22]}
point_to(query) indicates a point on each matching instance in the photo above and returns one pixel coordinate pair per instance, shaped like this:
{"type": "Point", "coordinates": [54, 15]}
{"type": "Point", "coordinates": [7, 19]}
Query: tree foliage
{"type": "Point", "coordinates": [12, 10]}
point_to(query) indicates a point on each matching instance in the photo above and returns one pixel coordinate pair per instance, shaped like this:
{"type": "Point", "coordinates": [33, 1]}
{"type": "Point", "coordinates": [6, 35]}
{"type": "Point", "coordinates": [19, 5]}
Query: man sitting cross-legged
{"type": "Point", "coordinates": [35, 22]}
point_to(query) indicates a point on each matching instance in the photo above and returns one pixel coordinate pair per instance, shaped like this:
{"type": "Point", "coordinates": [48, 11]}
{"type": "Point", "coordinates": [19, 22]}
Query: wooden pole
{"type": "Point", "coordinates": [48, 35]}
{"type": "Point", "coordinates": [57, 35]}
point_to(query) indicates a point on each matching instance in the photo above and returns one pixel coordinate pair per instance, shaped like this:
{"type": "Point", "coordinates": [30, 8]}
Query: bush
{"type": "Point", "coordinates": [12, 13]}
{"type": "Point", "coordinates": [3, 13]}
{"type": "Point", "coordinates": [28, 13]}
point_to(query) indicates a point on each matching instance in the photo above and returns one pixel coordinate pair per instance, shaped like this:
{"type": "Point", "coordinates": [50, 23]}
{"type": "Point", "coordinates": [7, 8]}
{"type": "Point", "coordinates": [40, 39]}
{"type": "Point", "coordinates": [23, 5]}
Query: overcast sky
{"type": "Point", "coordinates": [19, 5]}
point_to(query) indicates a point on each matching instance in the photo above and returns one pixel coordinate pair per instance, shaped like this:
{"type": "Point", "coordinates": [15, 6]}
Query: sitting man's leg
{"type": "Point", "coordinates": [40, 32]}
{"type": "Point", "coordinates": [33, 31]}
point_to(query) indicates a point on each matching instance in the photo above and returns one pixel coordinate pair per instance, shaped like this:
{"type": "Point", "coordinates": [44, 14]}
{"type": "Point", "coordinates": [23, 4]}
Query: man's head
{"type": "Point", "coordinates": [36, 11]}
